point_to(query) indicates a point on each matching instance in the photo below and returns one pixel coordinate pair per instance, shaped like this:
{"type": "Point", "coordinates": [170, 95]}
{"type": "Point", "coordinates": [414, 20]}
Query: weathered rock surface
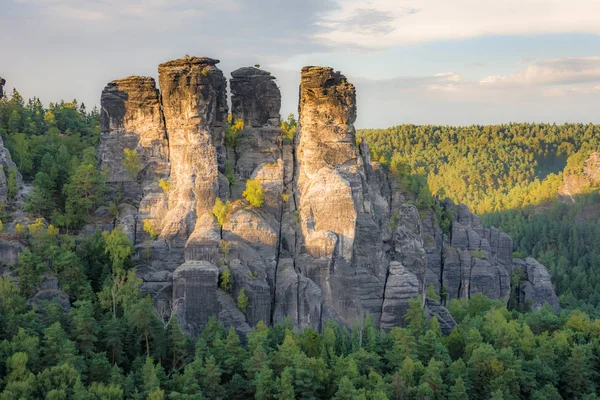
{"type": "Point", "coordinates": [131, 120]}
{"type": "Point", "coordinates": [48, 291]}
{"type": "Point", "coordinates": [2, 83]}
{"type": "Point", "coordinates": [472, 260]}
{"type": "Point", "coordinates": [197, 297]}
{"type": "Point", "coordinates": [402, 286]}
{"type": "Point", "coordinates": [9, 251]}
{"type": "Point", "coordinates": [536, 288]}
{"type": "Point", "coordinates": [6, 165]}
{"type": "Point", "coordinates": [433, 308]}
{"type": "Point", "coordinates": [195, 107]}
{"type": "Point", "coordinates": [340, 244]}
{"type": "Point", "coordinates": [336, 238]}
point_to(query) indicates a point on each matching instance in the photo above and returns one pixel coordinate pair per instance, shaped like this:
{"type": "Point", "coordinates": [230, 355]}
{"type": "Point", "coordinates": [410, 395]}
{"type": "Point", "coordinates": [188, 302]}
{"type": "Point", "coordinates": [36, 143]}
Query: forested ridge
{"type": "Point", "coordinates": [488, 168]}
{"type": "Point", "coordinates": [513, 175]}
{"type": "Point", "coordinates": [108, 341]}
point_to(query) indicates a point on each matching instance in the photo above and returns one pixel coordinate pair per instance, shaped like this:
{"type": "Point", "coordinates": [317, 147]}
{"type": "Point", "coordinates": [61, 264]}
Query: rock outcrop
{"type": "Point", "coordinates": [7, 166]}
{"type": "Point", "coordinates": [536, 288]}
{"type": "Point", "coordinates": [581, 181]}
{"type": "Point", "coordinates": [132, 122]}
{"type": "Point", "coordinates": [2, 83]}
{"type": "Point", "coordinates": [339, 244]}
{"type": "Point", "coordinates": [335, 238]}
{"type": "Point", "coordinates": [469, 259]}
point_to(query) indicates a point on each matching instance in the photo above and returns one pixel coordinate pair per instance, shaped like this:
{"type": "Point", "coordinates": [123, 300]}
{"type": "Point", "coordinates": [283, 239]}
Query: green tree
{"type": "Point", "coordinates": [221, 211]}
{"type": "Point", "coordinates": [254, 193]}
{"type": "Point", "coordinates": [85, 327]}
{"type": "Point", "coordinates": [264, 383]}
{"type": "Point", "coordinates": [242, 301]}
{"type": "Point", "coordinates": [286, 385]}
{"type": "Point", "coordinates": [11, 183]}
{"type": "Point", "coordinates": [415, 317]}
{"type": "Point", "coordinates": [20, 382]}
{"type": "Point", "coordinates": [458, 391]}
{"type": "Point", "coordinates": [131, 162]}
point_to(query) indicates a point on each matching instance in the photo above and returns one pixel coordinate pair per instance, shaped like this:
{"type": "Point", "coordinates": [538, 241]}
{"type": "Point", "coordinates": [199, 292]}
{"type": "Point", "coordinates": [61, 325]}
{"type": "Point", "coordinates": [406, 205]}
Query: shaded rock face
{"type": "Point", "coordinates": [9, 252]}
{"type": "Point", "coordinates": [470, 259]}
{"type": "Point", "coordinates": [334, 239]}
{"type": "Point", "coordinates": [197, 297]}
{"type": "Point", "coordinates": [2, 83]}
{"type": "Point", "coordinates": [536, 288]}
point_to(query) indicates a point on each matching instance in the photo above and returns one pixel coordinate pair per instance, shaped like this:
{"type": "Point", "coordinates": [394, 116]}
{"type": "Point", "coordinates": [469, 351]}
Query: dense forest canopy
{"type": "Point", "coordinates": [109, 341]}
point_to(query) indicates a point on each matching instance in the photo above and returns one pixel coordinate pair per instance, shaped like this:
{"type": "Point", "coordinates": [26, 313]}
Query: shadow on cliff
{"type": "Point", "coordinates": [564, 236]}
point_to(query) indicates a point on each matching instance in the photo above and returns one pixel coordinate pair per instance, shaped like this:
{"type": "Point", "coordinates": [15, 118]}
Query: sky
{"type": "Point", "coordinates": [457, 62]}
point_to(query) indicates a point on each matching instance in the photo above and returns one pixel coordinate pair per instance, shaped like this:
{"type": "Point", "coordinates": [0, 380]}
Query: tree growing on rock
{"type": "Point", "coordinates": [221, 211]}
{"type": "Point", "coordinates": [254, 193]}
{"type": "Point", "coordinates": [131, 162]}
{"type": "Point", "coordinates": [242, 301]}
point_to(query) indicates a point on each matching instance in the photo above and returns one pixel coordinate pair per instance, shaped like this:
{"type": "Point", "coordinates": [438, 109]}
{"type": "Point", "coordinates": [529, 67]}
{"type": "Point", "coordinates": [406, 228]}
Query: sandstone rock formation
{"type": "Point", "coordinates": [131, 120]}
{"type": "Point", "coordinates": [335, 237]}
{"type": "Point", "coordinates": [6, 165]}
{"type": "Point", "coordinates": [340, 244]}
{"type": "Point", "coordinates": [469, 259]}
{"type": "Point", "coordinates": [194, 103]}
{"type": "Point", "coordinates": [536, 288]}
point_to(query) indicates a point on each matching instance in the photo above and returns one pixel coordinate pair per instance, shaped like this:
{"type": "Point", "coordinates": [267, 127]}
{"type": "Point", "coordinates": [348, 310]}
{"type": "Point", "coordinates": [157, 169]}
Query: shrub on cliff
{"type": "Point", "coordinates": [131, 162]}
{"type": "Point", "coordinates": [254, 193]}
{"type": "Point", "coordinates": [149, 229]}
{"type": "Point", "coordinates": [221, 210]}
{"type": "Point", "coordinates": [242, 301]}
{"type": "Point", "coordinates": [232, 131]}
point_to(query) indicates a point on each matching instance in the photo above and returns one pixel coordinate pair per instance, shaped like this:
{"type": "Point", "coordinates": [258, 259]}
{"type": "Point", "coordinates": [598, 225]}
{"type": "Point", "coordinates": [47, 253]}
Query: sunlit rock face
{"type": "Point", "coordinates": [131, 120]}
{"type": "Point", "coordinates": [339, 243]}
{"type": "Point", "coordinates": [194, 100]}
{"type": "Point", "coordinates": [578, 183]}
{"type": "Point", "coordinates": [336, 238]}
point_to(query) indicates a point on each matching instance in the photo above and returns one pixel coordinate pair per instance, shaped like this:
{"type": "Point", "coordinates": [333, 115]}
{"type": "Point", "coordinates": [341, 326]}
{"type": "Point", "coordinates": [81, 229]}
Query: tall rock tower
{"type": "Point", "coordinates": [2, 83]}
{"type": "Point", "coordinates": [132, 124]}
{"type": "Point", "coordinates": [194, 100]}
{"type": "Point", "coordinates": [340, 246]}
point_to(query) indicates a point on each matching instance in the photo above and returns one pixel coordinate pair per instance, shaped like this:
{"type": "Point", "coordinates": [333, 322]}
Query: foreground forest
{"type": "Point", "coordinates": [514, 176]}
{"type": "Point", "coordinates": [108, 341]}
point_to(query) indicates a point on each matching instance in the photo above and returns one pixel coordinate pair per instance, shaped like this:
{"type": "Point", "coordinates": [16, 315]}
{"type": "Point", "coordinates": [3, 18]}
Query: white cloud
{"type": "Point", "coordinates": [378, 24]}
{"type": "Point", "coordinates": [560, 71]}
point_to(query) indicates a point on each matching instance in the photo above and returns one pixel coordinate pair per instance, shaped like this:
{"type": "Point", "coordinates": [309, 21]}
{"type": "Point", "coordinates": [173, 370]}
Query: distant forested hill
{"type": "Point", "coordinates": [488, 168]}
{"type": "Point", "coordinates": [520, 177]}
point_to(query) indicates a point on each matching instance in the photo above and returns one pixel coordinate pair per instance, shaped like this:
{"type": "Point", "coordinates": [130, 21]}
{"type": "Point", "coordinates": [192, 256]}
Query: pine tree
{"type": "Point", "coordinates": [264, 384]}
{"type": "Point", "coordinates": [458, 391]}
{"type": "Point", "coordinates": [286, 385]}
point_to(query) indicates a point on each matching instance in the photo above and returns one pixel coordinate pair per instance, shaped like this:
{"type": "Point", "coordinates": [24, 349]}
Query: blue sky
{"type": "Point", "coordinates": [412, 61]}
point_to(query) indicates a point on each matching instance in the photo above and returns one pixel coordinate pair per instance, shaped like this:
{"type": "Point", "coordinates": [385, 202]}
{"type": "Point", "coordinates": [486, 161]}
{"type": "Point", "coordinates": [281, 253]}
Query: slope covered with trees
{"type": "Point", "coordinates": [513, 175]}
{"type": "Point", "coordinates": [54, 148]}
{"type": "Point", "coordinates": [565, 238]}
{"type": "Point", "coordinates": [488, 168]}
